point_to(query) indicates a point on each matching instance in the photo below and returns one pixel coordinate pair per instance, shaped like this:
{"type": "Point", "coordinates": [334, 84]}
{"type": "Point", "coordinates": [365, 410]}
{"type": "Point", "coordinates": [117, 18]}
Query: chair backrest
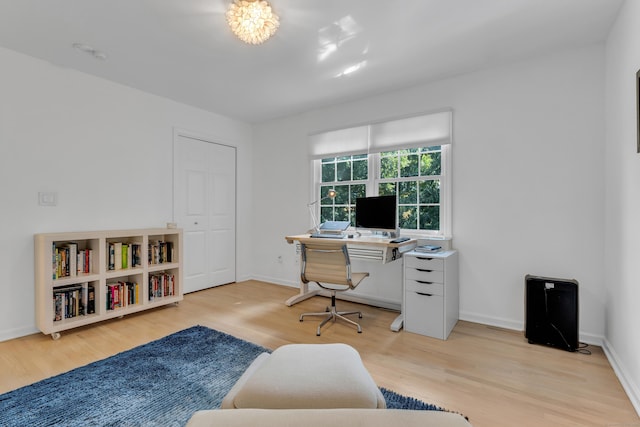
{"type": "Point", "coordinates": [326, 262]}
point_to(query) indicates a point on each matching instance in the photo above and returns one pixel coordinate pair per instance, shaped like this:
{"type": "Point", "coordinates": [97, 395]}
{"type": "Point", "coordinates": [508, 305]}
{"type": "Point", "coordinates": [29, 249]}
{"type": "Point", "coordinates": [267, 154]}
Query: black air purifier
{"type": "Point", "coordinates": [552, 312]}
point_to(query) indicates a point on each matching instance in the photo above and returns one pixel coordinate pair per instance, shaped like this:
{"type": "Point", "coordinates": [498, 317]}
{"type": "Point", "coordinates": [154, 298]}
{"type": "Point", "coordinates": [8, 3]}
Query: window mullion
{"type": "Point", "coordinates": [374, 168]}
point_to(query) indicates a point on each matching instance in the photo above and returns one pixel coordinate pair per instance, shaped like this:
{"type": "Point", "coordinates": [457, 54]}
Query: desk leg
{"type": "Point", "coordinates": [396, 325]}
{"type": "Point", "coordinates": [304, 294]}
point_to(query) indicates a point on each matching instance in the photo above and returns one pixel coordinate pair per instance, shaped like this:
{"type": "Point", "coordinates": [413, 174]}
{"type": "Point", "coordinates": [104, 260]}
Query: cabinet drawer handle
{"type": "Point", "coordinates": [425, 294]}
{"type": "Point", "coordinates": [424, 259]}
{"type": "Point", "coordinates": [423, 270]}
{"type": "Point", "coordinates": [424, 283]}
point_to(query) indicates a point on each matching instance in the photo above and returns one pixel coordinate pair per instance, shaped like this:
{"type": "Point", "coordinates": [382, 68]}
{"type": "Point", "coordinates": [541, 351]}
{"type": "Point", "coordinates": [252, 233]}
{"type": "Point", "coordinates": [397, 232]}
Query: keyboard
{"type": "Point", "coordinates": [327, 236]}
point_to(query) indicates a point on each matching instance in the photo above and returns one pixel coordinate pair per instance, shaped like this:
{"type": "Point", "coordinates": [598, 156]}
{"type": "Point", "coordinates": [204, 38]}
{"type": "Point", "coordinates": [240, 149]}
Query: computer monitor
{"type": "Point", "coordinates": [377, 214]}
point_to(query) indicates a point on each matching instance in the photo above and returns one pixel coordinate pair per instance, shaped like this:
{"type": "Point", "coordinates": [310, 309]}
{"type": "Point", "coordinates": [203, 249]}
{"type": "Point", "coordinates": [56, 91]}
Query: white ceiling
{"type": "Point", "coordinates": [183, 49]}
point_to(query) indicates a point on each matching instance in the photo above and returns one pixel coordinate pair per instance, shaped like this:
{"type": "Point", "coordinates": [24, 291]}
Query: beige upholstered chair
{"type": "Point", "coordinates": [327, 263]}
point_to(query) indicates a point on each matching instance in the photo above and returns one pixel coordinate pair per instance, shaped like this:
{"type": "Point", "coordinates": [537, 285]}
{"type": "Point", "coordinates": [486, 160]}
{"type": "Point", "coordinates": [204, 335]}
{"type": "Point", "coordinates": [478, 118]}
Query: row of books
{"type": "Point", "coordinates": [124, 255]}
{"type": "Point", "coordinates": [68, 260]}
{"type": "Point", "coordinates": [79, 300]}
{"type": "Point", "coordinates": [161, 285]}
{"type": "Point", "coordinates": [160, 252]}
{"type": "Point", "coordinates": [72, 301]}
{"type": "Point", "coordinates": [122, 294]}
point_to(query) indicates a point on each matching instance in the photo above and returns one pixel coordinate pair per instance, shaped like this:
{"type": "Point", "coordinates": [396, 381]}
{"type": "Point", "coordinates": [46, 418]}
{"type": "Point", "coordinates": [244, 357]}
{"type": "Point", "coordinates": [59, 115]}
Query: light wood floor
{"type": "Point", "coordinates": [491, 375]}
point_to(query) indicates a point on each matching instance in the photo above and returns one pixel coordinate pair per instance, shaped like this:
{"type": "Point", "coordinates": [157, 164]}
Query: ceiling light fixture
{"type": "Point", "coordinates": [252, 21]}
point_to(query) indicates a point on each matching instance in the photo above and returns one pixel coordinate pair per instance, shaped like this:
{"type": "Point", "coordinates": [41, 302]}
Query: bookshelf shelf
{"type": "Point", "coordinates": [87, 277]}
{"type": "Point", "coordinates": [71, 280]}
{"type": "Point", "coordinates": [162, 267]}
{"type": "Point", "coordinates": [123, 273]}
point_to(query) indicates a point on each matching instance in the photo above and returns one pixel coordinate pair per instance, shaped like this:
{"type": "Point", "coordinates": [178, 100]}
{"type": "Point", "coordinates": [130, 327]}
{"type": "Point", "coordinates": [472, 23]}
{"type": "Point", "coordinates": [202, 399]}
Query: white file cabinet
{"type": "Point", "coordinates": [430, 300]}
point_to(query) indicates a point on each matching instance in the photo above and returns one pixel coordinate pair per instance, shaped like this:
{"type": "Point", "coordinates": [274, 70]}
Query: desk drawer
{"type": "Point", "coordinates": [424, 262]}
{"type": "Point", "coordinates": [423, 275]}
{"type": "Point", "coordinates": [420, 287]}
{"type": "Point", "coordinates": [424, 314]}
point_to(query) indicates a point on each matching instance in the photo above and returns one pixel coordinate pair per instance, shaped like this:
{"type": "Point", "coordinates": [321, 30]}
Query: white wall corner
{"type": "Point", "coordinates": [632, 390]}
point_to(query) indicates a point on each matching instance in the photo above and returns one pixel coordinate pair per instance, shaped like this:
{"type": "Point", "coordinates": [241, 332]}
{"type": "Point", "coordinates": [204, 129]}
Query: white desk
{"type": "Point", "coordinates": [366, 248]}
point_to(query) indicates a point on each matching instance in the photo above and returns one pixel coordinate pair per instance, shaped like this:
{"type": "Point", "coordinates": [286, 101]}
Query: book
{"type": "Point", "coordinates": [62, 267]}
{"type": "Point", "coordinates": [80, 262]}
{"type": "Point", "coordinates": [88, 261]}
{"type": "Point", "coordinates": [129, 261]}
{"type": "Point", "coordinates": [428, 248]}
{"type": "Point", "coordinates": [112, 257]}
{"type": "Point", "coordinates": [136, 260]}
{"type": "Point", "coordinates": [72, 259]}
{"type": "Point", "coordinates": [91, 300]}
{"type": "Point", "coordinates": [117, 257]}
{"type": "Point", "coordinates": [160, 252]}
{"type": "Point", "coordinates": [57, 306]}
{"type": "Point", "coordinates": [125, 256]}
{"type": "Point", "coordinates": [68, 301]}
{"type": "Point", "coordinates": [54, 261]}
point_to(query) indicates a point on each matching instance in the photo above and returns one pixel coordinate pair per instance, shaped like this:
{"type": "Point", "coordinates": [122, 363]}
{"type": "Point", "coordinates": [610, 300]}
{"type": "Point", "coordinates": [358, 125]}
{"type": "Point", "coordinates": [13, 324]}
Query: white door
{"type": "Point", "coordinates": [204, 206]}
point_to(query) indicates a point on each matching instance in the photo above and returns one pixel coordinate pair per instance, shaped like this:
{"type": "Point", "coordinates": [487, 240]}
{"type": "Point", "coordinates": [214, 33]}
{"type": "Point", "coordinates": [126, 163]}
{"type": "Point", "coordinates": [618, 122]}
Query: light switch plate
{"type": "Point", "coordinates": [48, 198]}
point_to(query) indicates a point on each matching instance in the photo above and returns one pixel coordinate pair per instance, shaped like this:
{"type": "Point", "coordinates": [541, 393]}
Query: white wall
{"type": "Point", "coordinates": [105, 149]}
{"type": "Point", "coordinates": [622, 202]}
{"type": "Point", "coordinates": [528, 181]}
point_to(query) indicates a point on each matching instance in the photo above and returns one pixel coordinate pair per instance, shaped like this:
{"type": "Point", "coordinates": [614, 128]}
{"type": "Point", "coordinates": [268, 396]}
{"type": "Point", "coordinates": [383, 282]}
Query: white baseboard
{"type": "Point", "coordinates": [275, 281]}
{"type": "Point", "coordinates": [499, 322]}
{"type": "Point", "coordinates": [632, 390]}
{"type": "Point", "coordinates": [10, 334]}
{"type": "Point", "coordinates": [491, 321]}
{"type": "Point", "coordinates": [591, 339]}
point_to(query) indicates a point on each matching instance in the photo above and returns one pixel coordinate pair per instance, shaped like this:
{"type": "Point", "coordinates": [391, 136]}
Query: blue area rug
{"type": "Point", "coordinates": [161, 383]}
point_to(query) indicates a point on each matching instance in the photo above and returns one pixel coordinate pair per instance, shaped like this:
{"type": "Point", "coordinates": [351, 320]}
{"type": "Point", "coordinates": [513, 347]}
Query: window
{"type": "Point", "coordinates": [408, 157]}
{"type": "Point", "coordinates": [414, 175]}
{"type": "Point", "coordinates": [348, 175]}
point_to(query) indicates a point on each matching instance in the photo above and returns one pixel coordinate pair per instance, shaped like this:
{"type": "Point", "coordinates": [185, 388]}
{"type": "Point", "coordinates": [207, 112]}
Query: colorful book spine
{"type": "Point", "coordinates": [68, 260]}
{"type": "Point", "coordinates": [124, 260]}
{"type": "Point", "coordinates": [70, 301]}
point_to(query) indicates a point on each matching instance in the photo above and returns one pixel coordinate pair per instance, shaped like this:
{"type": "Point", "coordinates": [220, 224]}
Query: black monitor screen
{"type": "Point", "coordinates": [378, 213]}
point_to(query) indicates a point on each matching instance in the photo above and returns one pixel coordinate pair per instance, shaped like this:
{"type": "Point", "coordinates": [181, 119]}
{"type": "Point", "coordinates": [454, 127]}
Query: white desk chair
{"type": "Point", "coordinates": [327, 264]}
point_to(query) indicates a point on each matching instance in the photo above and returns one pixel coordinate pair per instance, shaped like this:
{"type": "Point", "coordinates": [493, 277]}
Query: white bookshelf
{"type": "Point", "coordinates": [127, 282]}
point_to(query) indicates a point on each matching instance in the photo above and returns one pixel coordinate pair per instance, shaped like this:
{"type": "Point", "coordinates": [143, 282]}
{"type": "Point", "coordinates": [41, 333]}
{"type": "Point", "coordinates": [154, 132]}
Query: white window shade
{"type": "Point", "coordinates": [409, 132]}
{"type": "Point", "coordinates": [339, 142]}
{"type": "Point", "coordinates": [418, 131]}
